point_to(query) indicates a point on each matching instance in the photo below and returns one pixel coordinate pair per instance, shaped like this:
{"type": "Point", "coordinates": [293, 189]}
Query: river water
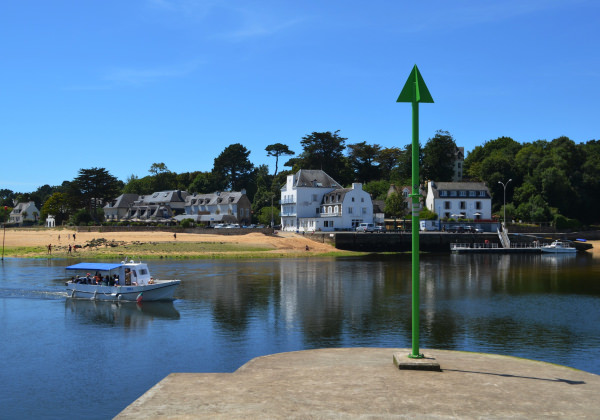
{"type": "Point", "coordinates": [80, 359]}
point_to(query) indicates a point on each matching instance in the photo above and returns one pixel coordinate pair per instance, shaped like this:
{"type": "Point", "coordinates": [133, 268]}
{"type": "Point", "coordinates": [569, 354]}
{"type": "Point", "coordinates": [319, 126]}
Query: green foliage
{"type": "Point", "coordinates": [324, 150]}
{"type": "Point", "coordinates": [264, 216]}
{"type": "Point", "coordinates": [439, 155]}
{"type": "Point", "coordinates": [427, 214]}
{"type": "Point", "coordinates": [80, 218]}
{"type": "Point", "coordinates": [276, 150]}
{"type": "Point", "coordinates": [93, 187]}
{"type": "Point", "coordinates": [363, 161]}
{"type": "Point", "coordinates": [377, 189]}
{"type": "Point", "coordinates": [59, 205]}
{"type": "Point", "coordinates": [5, 213]}
{"type": "Point", "coordinates": [232, 169]}
{"type": "Point", "coordinates": [395, 206]}
{"type": "Point", "coordinates": [562, 222]}
{"type": "Point", "coordinates": [186, 223]}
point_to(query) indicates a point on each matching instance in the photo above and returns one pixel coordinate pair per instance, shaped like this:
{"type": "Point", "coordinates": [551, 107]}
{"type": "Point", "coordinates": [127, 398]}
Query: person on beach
{"type": "Point", "coordinates": [69, 252]}
{"type": "Point", "coordinates": [50, 249]}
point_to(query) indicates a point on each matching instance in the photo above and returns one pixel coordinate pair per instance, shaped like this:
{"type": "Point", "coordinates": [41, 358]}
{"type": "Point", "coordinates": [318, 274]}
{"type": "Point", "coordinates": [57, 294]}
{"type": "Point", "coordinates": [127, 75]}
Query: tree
{"type": "Point", "coordinates": [139, 186]}
{"type": "Point", "coordinates": [158, 168]}
{"type": "Point", "coordinates": [276, 150]}
{"type": "Point", "coordinates": [388, 158]}
{"type": "Point", "coordinates": [439, 155]}
{"type": "Point", "coordinates": [325, 151]}
{"type": "Point", "coordinates": [95, 186]}
{"type": "Point", "coordinates": [6, 197]}
{"type": "Point", "coordinates": [204, 183]}
{"type": "Point", "coordinates": [395, 206]}
{"type": "Point", "coordinates": [58, 205]}
{"type": "Point", "coordinates": [232, 168]}
{"type": "Point", "coordinates": [404, 170]}
{"type": "Point", "coordinates": [362, 158]}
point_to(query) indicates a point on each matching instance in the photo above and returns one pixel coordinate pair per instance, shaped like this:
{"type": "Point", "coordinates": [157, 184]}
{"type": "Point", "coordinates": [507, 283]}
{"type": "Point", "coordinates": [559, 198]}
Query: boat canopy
{"type": "Point", "coordinates": [94, 266]}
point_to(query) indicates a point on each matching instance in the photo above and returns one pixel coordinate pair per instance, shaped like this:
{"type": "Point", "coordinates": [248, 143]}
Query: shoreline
{"type": "Point", "coordinates": [34, 242]}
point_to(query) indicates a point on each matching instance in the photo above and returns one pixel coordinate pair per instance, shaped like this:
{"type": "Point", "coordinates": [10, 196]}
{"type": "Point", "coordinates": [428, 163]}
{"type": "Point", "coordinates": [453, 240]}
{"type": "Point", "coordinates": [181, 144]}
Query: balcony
{"type": "Point", "coordinates": [289, 200]}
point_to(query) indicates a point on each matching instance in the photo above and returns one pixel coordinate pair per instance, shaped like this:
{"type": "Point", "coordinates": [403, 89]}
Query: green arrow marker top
{"type": "Point", "coordinates": [415, 89]}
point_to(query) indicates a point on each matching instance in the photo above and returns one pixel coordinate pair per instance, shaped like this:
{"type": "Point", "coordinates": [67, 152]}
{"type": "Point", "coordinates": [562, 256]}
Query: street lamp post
{"type": "Point", "coordinates": [504, 186]}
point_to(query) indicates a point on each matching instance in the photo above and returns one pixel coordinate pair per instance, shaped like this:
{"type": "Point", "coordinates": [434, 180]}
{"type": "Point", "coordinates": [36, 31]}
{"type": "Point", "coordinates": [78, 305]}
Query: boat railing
{"type": "Point", "coordinates": [457, 246]}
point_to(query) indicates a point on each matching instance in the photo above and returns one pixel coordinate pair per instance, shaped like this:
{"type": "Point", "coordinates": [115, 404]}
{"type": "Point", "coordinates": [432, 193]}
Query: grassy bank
{"type": "Point", "coordinates": [174, 250]}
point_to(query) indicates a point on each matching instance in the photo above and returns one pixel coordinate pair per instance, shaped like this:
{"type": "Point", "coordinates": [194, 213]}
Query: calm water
{"type": "Point", "coordinates": [79, 359]}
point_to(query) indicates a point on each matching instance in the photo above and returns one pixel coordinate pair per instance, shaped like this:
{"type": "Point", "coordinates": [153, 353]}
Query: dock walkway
{"type": "Point", "coordinates": [365, 383]}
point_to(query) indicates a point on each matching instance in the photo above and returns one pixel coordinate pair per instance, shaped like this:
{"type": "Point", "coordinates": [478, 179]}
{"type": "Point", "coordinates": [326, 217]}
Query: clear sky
{"type": "Point", "coordinates": [122, 84]}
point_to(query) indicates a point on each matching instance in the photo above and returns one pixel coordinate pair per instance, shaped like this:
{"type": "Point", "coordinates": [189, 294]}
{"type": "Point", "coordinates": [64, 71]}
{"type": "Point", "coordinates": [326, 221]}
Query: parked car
{"type": "Point", "coordinates": [365, 227]}
{"type": "Point", "coordinates": [220, 226]}
{"type": "Point", "coordinates": [379, 229]}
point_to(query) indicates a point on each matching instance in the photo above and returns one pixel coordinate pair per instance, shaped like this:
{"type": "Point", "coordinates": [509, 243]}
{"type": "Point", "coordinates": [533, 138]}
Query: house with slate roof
{"type": "Point", "coordinates": [118, 209]}
{"type": "Point", "coordinates": [313, 201]}
{"type": "Point", "coordinates": [218, 207]}
{"type": "Point", "coordinates": [158, 207]}
{"type": "Point", "coordinates": [24, 213]}
{"type": "Point", "coordinates": [459, 200]}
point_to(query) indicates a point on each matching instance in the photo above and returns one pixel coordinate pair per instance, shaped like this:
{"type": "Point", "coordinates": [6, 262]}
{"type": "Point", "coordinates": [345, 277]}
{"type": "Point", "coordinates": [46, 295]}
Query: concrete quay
{"type": "Point", "coordinates": [365, 383]}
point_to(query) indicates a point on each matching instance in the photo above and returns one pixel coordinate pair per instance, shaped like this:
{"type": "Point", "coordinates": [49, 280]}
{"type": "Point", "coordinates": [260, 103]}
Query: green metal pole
{"type": "Point", "coordinates": [415, 91]}
{"type": "Point", "coordinates": [415, 233]}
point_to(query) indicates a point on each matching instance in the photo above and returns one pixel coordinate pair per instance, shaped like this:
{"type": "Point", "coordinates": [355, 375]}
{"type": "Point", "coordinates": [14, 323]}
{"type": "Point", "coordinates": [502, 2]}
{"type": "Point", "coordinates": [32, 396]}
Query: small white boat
{"type": "Point", "coordinates": [128, 281]}
{"type": "Point", "coordinates": [559, 247]}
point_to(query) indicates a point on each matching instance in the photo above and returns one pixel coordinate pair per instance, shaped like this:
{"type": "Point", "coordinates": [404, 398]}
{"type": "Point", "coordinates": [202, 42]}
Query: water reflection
{"type": "Point", "coordinates": [126, 315]}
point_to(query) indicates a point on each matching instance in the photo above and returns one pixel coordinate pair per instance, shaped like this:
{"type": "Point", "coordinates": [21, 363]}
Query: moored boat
{"type": "Point", "coordinates": [127, 281]}
{"type": "Point", "coordinates": [559, 247]}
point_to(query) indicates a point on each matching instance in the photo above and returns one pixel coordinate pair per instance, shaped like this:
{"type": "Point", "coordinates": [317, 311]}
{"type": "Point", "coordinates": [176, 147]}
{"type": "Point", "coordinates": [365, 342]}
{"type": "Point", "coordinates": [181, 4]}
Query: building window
{"type": "Point", "coordinates": [317, 210]}
{"type": "Point", "coordinates": [482, 193]}
{"type": "Point", "coordinates": [362, 199]}
{"type": "Point", "coordinates": [463, 193]}
{"type": "Point", "coordinates": [446, 205]}
{"type": "Point", "coordinates": [353, 199]}
{"type": "Point", "coordinates": [443, 193]}
{"type": "Point", "coordinates": [478, 205]}
{"type": "Point", "coordinates": [349, 210]}
{"type": "Point", "coordinates": [463, 205]}
{"type": "Point", "coordinates": [472, 194]}
{"type": "Point", "coordinates": [453, 194]}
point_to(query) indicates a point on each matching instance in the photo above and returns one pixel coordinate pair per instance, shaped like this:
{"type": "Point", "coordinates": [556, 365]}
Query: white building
{"type": "Point", "coordinates": [459, 200]}
{"type": "Point", "coordinates": [24, 213]}
{"type": "Point", "coordinates": [313, 201]}
{"type": "Point", "coordinates": [218, 207]}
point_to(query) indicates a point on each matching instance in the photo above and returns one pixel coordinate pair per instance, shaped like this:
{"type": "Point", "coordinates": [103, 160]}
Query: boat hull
{"type": "Point", "coordinates": [159, 291]}
{"type": "Point", "coordinates": [550, 250]}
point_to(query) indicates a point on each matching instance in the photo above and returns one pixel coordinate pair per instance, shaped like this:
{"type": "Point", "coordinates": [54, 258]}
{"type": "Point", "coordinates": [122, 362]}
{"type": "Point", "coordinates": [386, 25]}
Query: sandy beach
{"type": "Point", "coordinates": [20, 243]}
{"type": "Point", "coordinates": [34, 243]}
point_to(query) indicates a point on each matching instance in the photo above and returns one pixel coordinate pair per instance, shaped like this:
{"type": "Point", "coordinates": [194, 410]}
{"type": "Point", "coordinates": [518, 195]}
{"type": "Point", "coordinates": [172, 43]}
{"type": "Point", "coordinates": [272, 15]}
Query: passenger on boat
{"type": "Point", "coordinates": [127, 277]}
{"type": "Point", "coordinates": [88, 279]}
{"type": "Point", "coordinates": [105, 281]}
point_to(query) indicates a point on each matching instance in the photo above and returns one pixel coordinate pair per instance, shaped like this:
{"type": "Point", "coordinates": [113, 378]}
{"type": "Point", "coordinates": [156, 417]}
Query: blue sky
{"type": "Point", "coordinates": [124, 84]}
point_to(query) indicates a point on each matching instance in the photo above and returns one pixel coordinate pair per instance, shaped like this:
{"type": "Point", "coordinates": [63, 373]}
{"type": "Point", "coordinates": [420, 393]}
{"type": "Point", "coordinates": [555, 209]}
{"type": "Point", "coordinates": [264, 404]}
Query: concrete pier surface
{"type": "Point", "coordinates": [365, 383]}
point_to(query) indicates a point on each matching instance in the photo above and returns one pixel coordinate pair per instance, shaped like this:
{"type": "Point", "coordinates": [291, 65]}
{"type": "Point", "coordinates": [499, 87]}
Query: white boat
{"type": "Point", "coordinates": [128, 281]}
{"type": "Point", "coordinates": [558, 247]}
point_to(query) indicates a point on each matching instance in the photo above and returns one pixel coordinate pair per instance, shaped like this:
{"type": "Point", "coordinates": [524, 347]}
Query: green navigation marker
{"type": "Point", "coordinates": [415, 91]}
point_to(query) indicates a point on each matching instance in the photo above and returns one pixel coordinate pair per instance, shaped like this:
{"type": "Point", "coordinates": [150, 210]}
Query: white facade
{"type": "Point", "coordinates": [313, 201]}
{"type": "Point", "coordinates": [24, 212]}
{"type": "Point", "coordinates": [459, 200]}
{"type": "Point", "coordinates": [228, 206]}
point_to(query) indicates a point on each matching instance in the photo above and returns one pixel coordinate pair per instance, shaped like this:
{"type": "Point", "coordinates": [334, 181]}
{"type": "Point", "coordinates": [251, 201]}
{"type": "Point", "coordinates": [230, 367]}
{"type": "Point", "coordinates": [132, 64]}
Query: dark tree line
{"type": "Point", "coordinates": [553, 180]}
